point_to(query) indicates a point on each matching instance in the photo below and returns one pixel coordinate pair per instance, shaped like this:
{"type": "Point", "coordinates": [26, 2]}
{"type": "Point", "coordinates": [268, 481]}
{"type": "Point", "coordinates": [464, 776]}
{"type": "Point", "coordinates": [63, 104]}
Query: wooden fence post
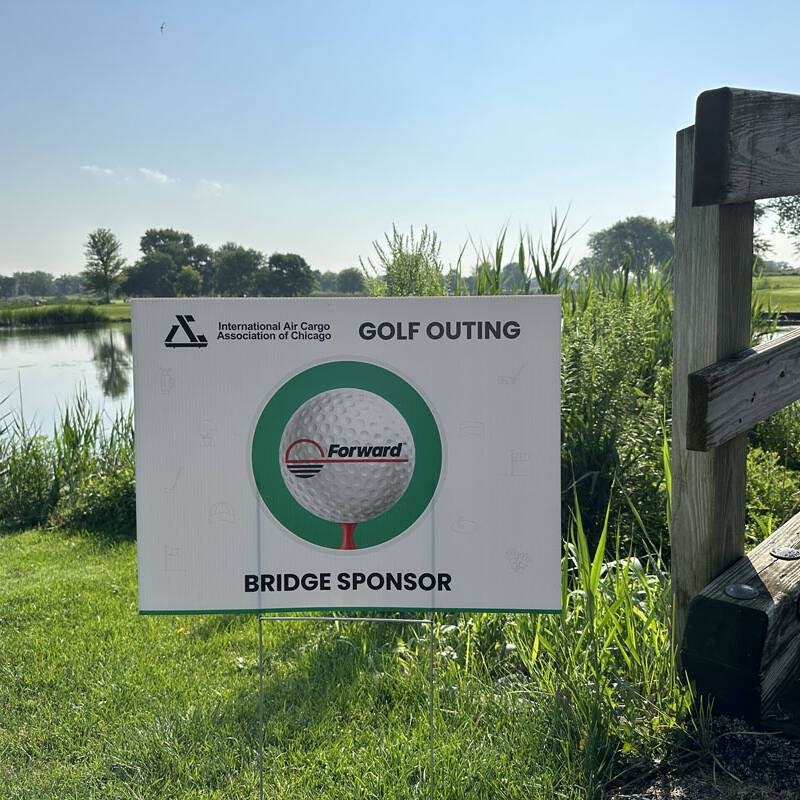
{"type": "Point", "coordinates": [712, 288]}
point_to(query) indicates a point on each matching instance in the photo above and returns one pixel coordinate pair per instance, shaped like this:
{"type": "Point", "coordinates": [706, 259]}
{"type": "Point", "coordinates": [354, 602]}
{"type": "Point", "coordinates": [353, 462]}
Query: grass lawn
{"type": "Point", "coordinates": [116, 310]}
{"type": "Point", "coordinates": [782, 292]}
{"type": "Point", "coordinates": [100, 702]}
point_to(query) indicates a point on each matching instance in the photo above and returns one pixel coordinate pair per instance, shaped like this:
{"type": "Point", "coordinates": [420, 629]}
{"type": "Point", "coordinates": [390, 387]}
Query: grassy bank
{"type": "Point", "coordinates": [102, 703]}
{"type": "Point", "coordinates": [99, 702]}
{"type": "Point", "coordinates": [63, 314]}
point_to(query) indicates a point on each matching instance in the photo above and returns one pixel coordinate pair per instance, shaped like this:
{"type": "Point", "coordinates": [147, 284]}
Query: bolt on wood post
{"type": "Point", "coordinates": [712, 276]}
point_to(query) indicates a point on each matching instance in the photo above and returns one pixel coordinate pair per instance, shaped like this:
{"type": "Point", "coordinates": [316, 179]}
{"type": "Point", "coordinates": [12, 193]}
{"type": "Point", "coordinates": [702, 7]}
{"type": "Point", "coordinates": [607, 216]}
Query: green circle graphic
{"type": "Point", "coordinates": [265, 452]}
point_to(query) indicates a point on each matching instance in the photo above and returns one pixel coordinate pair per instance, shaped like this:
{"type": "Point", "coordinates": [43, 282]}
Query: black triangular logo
{"type": "Point", "coordinates": [194, 339]}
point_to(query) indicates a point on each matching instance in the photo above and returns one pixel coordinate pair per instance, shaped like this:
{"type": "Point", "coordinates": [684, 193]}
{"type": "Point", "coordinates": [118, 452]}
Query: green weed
{"type": "Point", "coordinates": [405, 265]}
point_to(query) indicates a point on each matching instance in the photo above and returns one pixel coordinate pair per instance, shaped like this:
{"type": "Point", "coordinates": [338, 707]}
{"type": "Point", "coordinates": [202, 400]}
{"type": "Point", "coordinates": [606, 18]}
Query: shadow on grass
{"type": "Point", "coordinates": [321, 685]}
{"type": "Point", "coordinates": [342, 670]}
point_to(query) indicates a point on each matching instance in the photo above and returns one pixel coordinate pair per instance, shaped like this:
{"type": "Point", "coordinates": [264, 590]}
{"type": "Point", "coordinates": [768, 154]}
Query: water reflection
{"type": "Point", "coordinates": [113, 364]}
{"type": "Point", "coordinates": [50, 364]}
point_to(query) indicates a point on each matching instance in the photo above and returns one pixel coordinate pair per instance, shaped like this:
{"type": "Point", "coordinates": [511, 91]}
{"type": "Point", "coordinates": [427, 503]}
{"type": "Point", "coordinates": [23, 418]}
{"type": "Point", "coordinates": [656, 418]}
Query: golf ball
{"type": "Point", "coordinates": [347, 455]}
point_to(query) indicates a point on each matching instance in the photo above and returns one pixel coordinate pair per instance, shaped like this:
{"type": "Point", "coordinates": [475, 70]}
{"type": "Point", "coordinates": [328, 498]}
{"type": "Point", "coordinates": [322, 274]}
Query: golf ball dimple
{"type": "Point", "coordinates": [347, 455]}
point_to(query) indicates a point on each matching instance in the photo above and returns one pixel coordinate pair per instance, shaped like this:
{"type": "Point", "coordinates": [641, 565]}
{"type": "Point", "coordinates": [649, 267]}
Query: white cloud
{"type": "Point", "coordinates": [97, 170]}
{"type": "Point", "coordinates": [155, 176]}
{"type": "Point", "coordinates": [212, 187]}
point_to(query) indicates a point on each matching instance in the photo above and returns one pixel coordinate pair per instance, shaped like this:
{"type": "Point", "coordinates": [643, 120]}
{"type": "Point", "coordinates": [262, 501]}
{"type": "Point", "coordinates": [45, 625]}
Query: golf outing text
{"type": "Point", "coordinates": [460, 329]}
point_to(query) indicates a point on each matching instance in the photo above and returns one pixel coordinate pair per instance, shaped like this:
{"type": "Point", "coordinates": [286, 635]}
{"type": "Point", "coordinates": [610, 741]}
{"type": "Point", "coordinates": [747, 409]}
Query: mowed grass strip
{"type": "Point", "coordinates": [782, 292]}
{"type": "Point", "coordinates": [100, 702]}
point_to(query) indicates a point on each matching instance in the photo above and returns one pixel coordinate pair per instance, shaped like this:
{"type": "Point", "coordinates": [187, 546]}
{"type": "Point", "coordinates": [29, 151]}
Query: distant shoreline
{"type": "Point", "coordinates": [63, 314]}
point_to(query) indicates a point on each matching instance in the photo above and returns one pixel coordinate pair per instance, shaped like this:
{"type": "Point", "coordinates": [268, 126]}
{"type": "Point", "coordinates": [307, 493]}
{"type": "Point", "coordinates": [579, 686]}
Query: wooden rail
{"type": "Point", "coordinates": [730, 397]}
{"type": "Point", "coordinates": [744, 145]}
{"type": "Point", "coordinates": [745, 649]}
{"type": "Point", "coordinates": [748, 146]}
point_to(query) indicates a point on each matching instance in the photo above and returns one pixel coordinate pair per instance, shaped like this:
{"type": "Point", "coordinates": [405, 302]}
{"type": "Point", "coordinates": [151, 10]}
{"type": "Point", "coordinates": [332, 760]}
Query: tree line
{"type": "Point", "coordinates": [37, 283]}
{"type": "Point", "coordinates": [172, 264]}
{"type": "Point", "coordinates": [642, 243]}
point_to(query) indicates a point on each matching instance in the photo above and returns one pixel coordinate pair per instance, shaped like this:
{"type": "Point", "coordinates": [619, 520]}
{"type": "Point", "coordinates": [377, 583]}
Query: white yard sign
{"type": "Point", "coordinates": [349, 453]}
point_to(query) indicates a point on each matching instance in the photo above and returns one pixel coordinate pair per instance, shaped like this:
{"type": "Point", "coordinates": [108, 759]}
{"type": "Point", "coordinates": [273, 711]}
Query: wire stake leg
{"type": "Point", "coordinates": [430, 708]}
{"type": "Point", "coordinates": [260, 710]}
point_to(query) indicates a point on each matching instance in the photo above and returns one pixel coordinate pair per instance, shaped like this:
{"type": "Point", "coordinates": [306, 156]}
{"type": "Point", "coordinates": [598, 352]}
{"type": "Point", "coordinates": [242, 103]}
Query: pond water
{"type": "Point", "coordinates": [51, 365]}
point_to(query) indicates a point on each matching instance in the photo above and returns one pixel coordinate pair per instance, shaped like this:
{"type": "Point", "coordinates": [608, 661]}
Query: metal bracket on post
{"type": "Point", "coordinates": [404, 621]}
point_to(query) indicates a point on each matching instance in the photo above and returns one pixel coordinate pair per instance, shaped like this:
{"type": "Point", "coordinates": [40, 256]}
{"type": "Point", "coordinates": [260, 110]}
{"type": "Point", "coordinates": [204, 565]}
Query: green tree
{"type": "Point", "coordinates": [103, 262]}
{"type": "Point", "coordinates": [511, 278]}
{"type": "Point", "coordinates": [200, 257]}
{"type": "Point", "coordinates": [188, 282]}
{"type": "Point", "coordinates": [236, 270]}
{"type": "Point", "coordinates": [8, 286]}
{"type": "Point", "coordinates": [167, 240]}
{"type": "Point", "coordinates": [68, 284]}
{"type": "Point", "coordinates": [457, 284]}
{"type": "Point", "coordinates": [35, 283]}
{"type": "Point", "coordinates": [351, 281]}
{"type": "Point", "coordinates": [786, 217]}
{"type": "Point", "coordinates": [153, 275]}
{"type": "Point", "coordinates": [640, 242]}
{"type": "Point", "coordinates": [286, 275]}
{"type": "Point", "coordinates": [326, 281]}
{"type": "Point", "coordinates": [183, 251]}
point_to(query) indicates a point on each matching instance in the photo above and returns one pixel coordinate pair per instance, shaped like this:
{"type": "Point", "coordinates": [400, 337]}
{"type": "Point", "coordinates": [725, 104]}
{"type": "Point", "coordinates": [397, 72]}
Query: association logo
{"type": "Point", "coordinates": [346, 455]}
{"type": "Point", "coordinates": [188, 338]}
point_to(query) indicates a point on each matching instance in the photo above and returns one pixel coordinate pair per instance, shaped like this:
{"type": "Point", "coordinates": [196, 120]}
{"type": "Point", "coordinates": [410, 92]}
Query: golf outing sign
{"type": "Point", "coordinates": [350, 453]}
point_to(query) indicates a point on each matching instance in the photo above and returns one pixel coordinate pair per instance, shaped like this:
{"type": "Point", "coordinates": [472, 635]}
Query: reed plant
{"type": "Point", "coordinates": [62, 314]}
{"type": "Point", "coordinates": [605, 667]}
{"type": "Point", "coordinates": [67, 477]}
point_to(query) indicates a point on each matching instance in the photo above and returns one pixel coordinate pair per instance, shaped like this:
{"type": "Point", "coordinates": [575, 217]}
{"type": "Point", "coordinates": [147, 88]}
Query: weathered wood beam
{"type": "Point", "coordinates": [712, 284]}
{"type": "Point", "coordinates": [745, 649]}
{"type": "Point", "coordinates": [731, 396]}
{"type": "Point", "coordinates": [747, 146]}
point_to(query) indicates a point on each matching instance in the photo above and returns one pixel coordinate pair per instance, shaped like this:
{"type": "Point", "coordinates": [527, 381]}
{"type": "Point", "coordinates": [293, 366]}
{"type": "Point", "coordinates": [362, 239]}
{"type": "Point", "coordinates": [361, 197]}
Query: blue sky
{"type": "Point", "coordinates": [312, 127]}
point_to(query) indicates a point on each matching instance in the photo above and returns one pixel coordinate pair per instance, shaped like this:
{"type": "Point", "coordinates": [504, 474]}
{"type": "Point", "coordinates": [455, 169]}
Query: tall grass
{"type": "Point", "coordinates": [616, 355]}
{"type": "Point", "coordinates": [616, 373]}
{"type": "Point", "coordinates": [83, 474]}
{"type": "Point", "coordinates": [599, 680]}
{"type": "Point", "coordinates": [66, 314]}
{"type": "Point", "coordinates": [604, 669]}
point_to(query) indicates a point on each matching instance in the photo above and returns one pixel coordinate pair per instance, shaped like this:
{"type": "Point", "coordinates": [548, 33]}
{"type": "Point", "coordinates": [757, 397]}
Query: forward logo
{"type": "Point", "coordinates": [307, 462]}
{"type": "Point", "coordinates": [195, 340]}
